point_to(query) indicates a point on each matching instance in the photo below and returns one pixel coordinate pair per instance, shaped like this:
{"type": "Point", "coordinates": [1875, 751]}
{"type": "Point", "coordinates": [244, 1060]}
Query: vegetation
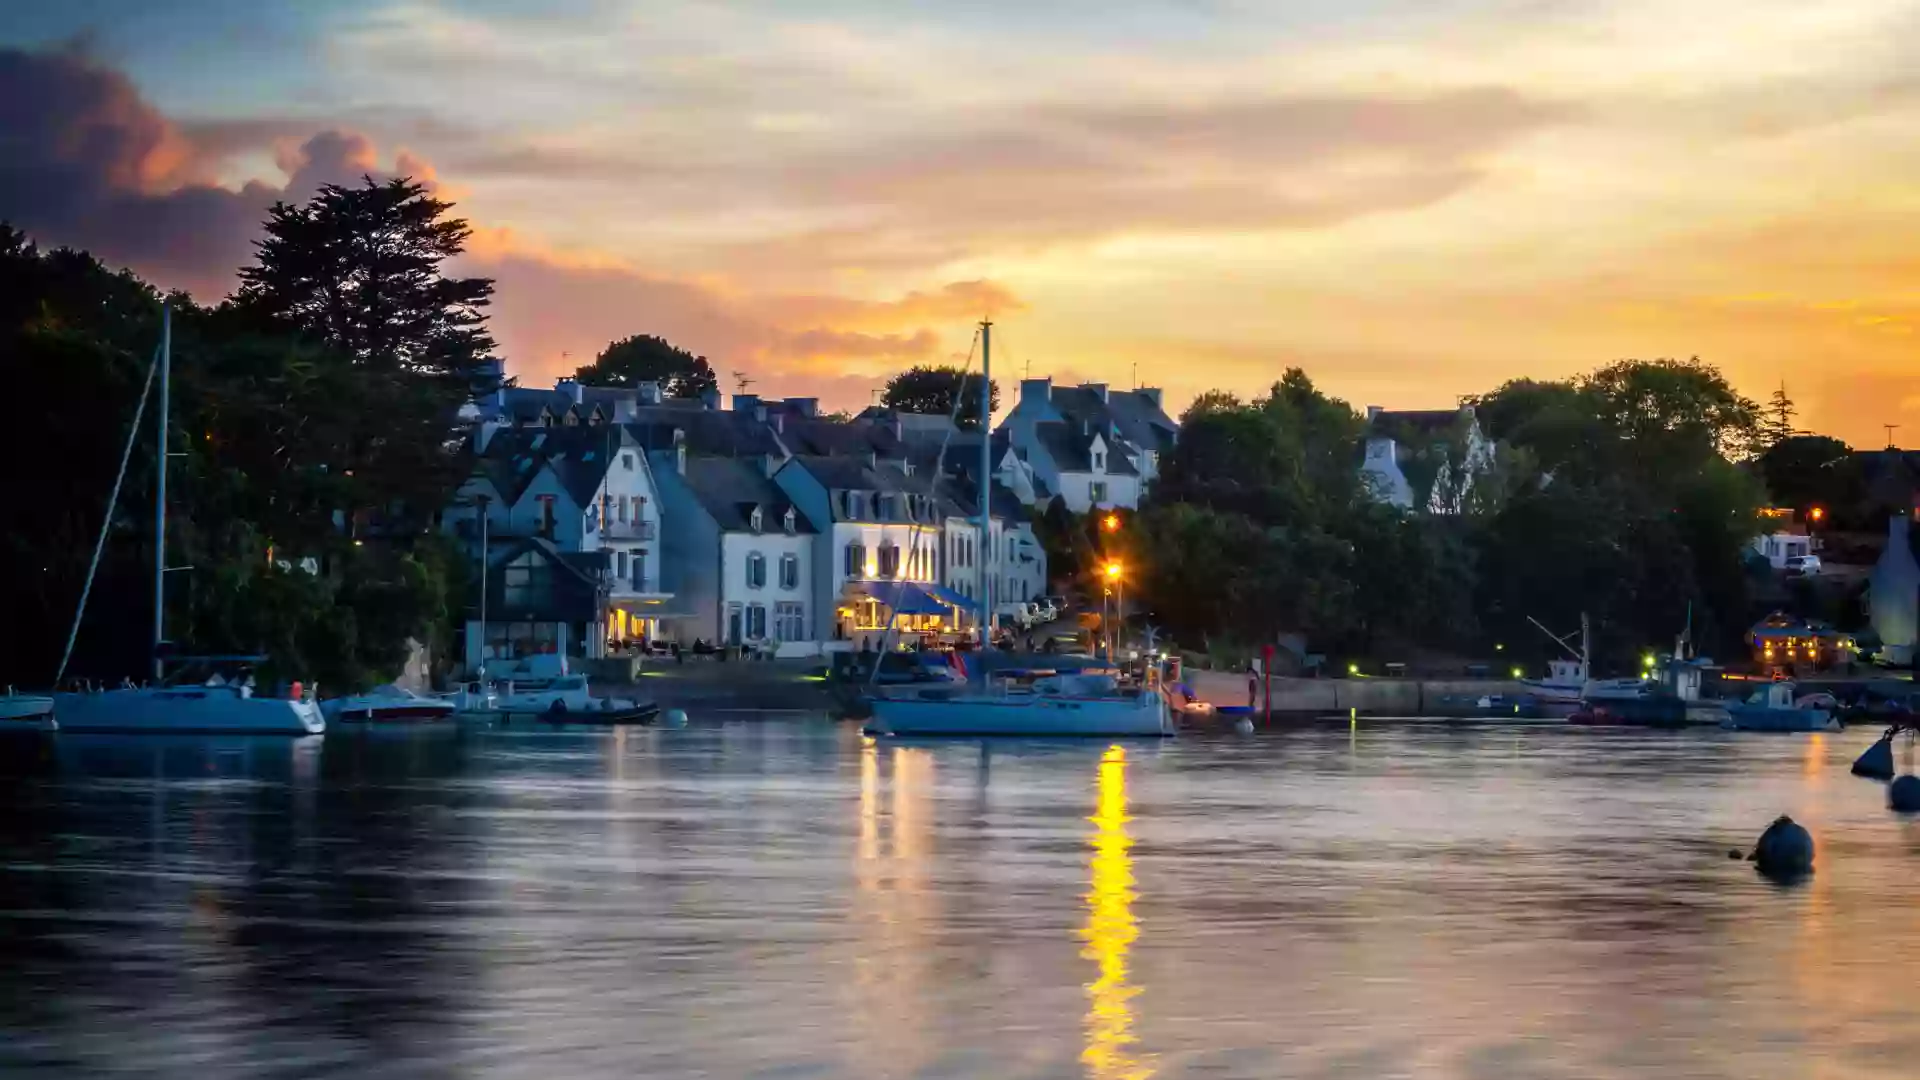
{"type": "Point", "coordinates": [312, 430]}
{"type": "Point", "coordinates": [644, 358]}
{"type": "Point", "coordinates": [1617, 494]}
{"type": "Point", "coordinates": [931, 390]}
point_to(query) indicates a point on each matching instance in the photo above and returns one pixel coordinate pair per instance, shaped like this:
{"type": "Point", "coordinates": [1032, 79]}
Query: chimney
{"type": "Point", "coordinates": [570, 388]}
{"type": "Point", "coordinates": [648, 393]}
{"type": "Point", "coordinates": [746, 402]}
{"type": "Point", "coordinates": [710, 400]}
{"type": "Point", "coordinates": [1153, 395]}
{"type": "Point", "coordinates": [805, 406]}
{"type": "Point", "coordinates": [1099, 388]}
{"type": "Point", "coordinates": [759, 413]}
{"type": "Point", "coordinates": [1037, 391]}
{"type": "Point", "coordinates": [680, 451]}
{"type": "Point", "coordinates": [623, 410]}
{"type": "Point", "coordinates": [1373, 413]}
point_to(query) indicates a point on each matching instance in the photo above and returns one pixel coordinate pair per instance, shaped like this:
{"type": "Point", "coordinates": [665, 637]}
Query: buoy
{"type": "Point", "coordinates": [1243, 725]}
{"type": "Point", "coordinates": [1877, 762]}
{"type": "Point", "coordinates": [675, 718]}
{"type": "Point", "coordinates": [1784, 850]}
{"type": "Point", "coordinates": [1904, 794]}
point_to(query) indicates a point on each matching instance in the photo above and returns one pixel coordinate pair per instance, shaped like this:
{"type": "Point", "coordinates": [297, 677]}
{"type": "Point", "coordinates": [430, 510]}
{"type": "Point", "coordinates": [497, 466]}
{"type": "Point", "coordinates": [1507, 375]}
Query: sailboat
{"type": "Point", "coordinates": [1570, 681]}
{"type": "Point", "coordinates": [218, 704]}
{"type": "Point", "coordinates": [26, 712]}
{"type": "Point", "coordinates": [1084, 704]}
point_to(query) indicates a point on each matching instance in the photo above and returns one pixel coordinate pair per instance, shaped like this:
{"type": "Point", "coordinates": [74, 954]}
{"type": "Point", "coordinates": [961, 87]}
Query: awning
{"type": "Point", "coordinates": [905, 597]}
{"type": "Point", "coordinates": [948, 596]}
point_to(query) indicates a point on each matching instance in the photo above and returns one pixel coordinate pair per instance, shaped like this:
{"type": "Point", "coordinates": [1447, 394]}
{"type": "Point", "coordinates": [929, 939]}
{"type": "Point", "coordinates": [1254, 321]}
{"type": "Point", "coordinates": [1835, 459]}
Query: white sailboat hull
{"type": "Point", "coordinates": [1139, 715]}
{"type": "Point", "coordinates": [26, 712]}
{"type": "Point", "coordinates": [186, 709]}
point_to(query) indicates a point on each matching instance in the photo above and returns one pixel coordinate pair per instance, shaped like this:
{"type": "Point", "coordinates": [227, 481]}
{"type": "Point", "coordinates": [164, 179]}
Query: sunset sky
{"type": "Point", "coordinates": [1411, 200]}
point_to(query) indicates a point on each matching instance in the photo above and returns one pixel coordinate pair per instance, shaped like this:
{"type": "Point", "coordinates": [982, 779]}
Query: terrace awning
{"type": "Point", "coordinates": [905, 597]}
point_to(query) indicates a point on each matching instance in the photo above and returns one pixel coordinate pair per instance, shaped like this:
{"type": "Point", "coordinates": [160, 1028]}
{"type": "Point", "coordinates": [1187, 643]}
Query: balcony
{"type": "Point", "coordinates": [634, 587]}
{"type": "Point", "coordinates": [629, 530]}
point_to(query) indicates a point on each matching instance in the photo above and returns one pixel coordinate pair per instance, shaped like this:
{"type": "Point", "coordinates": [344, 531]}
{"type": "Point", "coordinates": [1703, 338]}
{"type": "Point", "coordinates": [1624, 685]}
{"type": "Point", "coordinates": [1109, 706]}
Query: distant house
{"type": "Point", "coordinates": [1096, 448]}
{"type": "Point", "coordinates": [1781, 545]}
{"type": "Point", "coordinates": [581, 491]}
{"type": "Point", "coordinates": [1425, 458]}
{"type": "Point", "coordinates": [879, 528]}
{"type": "Point", "coordinates": [740, 553]}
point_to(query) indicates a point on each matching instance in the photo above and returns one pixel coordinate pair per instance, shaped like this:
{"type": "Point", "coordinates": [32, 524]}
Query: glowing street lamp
{"type": "Point", "coordinates": [1111, 523]}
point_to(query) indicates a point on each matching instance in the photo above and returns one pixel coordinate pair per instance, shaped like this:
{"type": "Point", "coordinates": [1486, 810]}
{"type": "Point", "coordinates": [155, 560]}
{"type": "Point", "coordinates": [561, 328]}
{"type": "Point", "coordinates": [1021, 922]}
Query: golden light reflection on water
{"type": "Point", "coordinates": [1110, 932]}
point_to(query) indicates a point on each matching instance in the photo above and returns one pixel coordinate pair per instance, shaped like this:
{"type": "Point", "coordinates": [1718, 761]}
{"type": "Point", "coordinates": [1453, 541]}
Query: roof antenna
{"type": "Point", "coordinates": [1135, 377]}
{"type": "Point", "coordinates": [741, 382]}
{"type": "Point", "coordinates": [1889, 428]}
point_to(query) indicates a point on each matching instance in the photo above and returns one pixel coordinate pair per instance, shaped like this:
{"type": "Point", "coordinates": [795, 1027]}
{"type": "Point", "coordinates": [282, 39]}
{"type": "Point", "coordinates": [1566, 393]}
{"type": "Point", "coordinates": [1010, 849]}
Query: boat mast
{"type": "Point", "coordinates": [160, 496]}
{"type": "Point", "coordinates": [986, 480]}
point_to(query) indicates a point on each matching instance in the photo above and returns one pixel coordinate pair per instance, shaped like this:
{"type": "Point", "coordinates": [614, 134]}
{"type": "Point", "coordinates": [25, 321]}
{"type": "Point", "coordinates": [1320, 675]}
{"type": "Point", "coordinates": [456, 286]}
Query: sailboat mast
{"type": "Point", "coordinates": [160, 496]}
{"type": "Point", "coordinates": [986, 480]}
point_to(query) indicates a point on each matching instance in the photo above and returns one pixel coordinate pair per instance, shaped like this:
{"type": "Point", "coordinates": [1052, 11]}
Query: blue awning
{"type": "Point", "coordinates": [948, 596]}
{"type": "Point", "coordinates": [905, 598]}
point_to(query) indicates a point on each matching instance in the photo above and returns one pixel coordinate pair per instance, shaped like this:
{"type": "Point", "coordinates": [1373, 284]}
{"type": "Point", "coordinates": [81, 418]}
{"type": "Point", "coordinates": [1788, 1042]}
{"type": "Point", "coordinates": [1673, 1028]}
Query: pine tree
{"type": "Point", "coordinates": [1776, 421]}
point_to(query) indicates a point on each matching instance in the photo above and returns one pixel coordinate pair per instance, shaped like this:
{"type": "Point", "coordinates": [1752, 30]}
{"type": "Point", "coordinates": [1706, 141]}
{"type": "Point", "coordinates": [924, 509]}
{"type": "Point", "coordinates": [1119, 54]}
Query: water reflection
{"type": "Point", "coordinates": [1111, 930]}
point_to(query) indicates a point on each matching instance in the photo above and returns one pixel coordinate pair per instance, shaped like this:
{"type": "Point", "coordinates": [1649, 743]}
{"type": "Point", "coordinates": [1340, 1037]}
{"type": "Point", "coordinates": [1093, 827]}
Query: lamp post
{"type": "Point", "coordinates": [1113, 572]}
{"type": "Point", "coordinates": [482, 651]}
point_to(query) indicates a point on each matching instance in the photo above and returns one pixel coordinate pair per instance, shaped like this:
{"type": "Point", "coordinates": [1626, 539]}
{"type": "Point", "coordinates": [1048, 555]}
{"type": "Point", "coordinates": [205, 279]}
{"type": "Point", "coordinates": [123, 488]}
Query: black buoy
{"type": "Point", "coordinates": [1903, 794]}
{"type": "Point", "coordinates": [1785, 850]}
{"type": "Point", "coordinates": [1877, 762]}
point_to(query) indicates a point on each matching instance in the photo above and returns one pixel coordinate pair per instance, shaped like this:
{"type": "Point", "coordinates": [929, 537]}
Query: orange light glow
{"type": "Point", "coordinates": [1112, 523]}
{"type": "Point", "coordinates": [1816, 514]}
{"type": "Point", "coordinates": [1113, 570]}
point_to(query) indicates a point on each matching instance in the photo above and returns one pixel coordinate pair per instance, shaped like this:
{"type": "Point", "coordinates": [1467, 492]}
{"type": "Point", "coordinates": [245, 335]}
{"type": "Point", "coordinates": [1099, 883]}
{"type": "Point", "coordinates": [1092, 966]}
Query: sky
{"type": "Point", "coordinates": [1414, 200]}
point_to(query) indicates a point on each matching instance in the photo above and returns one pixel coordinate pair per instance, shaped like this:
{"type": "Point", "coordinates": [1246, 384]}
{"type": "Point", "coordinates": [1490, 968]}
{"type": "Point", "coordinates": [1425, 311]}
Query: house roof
{"type": "Point", "coordinates": [578, 456]}
{"type": "Point", "coordinates": [729, 489]}
{"type": "Point", "coordinates": [812, 435]}
{"type": "Point", "coordinates": [706, 431]}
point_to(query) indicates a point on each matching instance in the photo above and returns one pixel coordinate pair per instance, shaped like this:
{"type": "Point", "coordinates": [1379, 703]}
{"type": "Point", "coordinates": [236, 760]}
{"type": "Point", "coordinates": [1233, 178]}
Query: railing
{"type": "Point", "coordinates": [631, 584]}
{"type": "Point", "coordinates": [629, 530]}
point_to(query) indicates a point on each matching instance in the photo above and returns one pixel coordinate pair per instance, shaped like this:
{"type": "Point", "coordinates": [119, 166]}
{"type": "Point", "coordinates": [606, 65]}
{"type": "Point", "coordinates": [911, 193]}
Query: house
{"type": "Point", "coordinates": [1428, 458]}
{"type": "Point", "coordinates": [583, 490]}
{"type": "Point", "coordinates": [1094, 447]}
{"type": "Point", "coordinates": [740, 554]}
{"type": "Point", "coordinates": [541, 600]}
{"type": "Point", "coordinates": [879, 542]}
{"type": "Point", "coordinates": [1782, 546]}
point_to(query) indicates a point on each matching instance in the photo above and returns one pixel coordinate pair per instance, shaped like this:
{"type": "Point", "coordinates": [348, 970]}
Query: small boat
{"type": "Point", "coordinates": [545, 689]}
{"type": "Point", "coordinates": [1567, 684]}
{"type": "Point", "coordinates": [1776, 708]}
{"type": "Point", "coordinates": [388, 704]}
{"type": "Point", "coordinates": [1081, 704]}
{"type": "Point", "coordinates": [26, 712]}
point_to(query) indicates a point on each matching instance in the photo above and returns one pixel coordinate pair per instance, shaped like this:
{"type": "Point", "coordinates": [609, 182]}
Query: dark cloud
{"type": "Point", "coordinates": [86, 162]}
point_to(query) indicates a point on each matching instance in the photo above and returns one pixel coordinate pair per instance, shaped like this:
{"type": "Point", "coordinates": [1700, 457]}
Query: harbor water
{"type": "Point", "coordinates": [785, 899]}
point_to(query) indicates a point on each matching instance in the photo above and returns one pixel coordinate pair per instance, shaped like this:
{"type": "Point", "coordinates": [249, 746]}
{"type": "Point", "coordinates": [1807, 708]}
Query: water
{"type": "Point", "coordinates": [781, 899]}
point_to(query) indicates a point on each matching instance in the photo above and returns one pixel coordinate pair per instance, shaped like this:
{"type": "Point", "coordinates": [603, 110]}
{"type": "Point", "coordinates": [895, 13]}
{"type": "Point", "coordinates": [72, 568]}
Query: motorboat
{"type": "Point", "coordinates": [26, 712]}
{"type": "Point", "coordinates": [389, 704]}
{"type": "Point", "coordinates": [1078, 704]}
{"type": "Point", "coordinates": [1779, 707]}
{"type": "Point", "coordinates": [217, 706]}
{"type": "Point", "coordinates": [544, 688]}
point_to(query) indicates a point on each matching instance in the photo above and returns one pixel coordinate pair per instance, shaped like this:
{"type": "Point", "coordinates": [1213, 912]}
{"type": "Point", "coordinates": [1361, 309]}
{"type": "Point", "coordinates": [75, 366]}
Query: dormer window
{"type": "Point", "coordinates": [754, 520]}
{"type": "Point", "coordinates": [1099, 461]}
{"type": "Point", "coordinates": [789, 522]}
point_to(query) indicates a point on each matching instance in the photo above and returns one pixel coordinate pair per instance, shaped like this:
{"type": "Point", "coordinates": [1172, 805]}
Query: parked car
{"type": "Point", "coordinates": [1044, 611]}
{"type": "Point", "coordinates": [1803, 564]}
{"type": "Point", "coordinates": [1020, 614]}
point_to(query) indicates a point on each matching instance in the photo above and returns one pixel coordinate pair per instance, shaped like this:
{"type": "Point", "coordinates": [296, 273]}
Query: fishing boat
{"type": "Point", "coordinates": [1779, 707]}
{"type": "Point", "coordinates": [1570, 681]}
{"type": "Point", "coordinates": [26, 712]}
{"type": "Point", "coordinates": [186, 703]}
{"type": "Point", "coordinates": [388, 705]}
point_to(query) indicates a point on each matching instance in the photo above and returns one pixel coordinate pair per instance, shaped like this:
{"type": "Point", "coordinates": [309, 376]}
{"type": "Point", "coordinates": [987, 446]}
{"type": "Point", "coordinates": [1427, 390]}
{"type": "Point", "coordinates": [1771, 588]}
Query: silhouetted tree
{"type": "Point", "coordinates": [931, 390]}
{"type": "Point", "coordinates": [645, 358]}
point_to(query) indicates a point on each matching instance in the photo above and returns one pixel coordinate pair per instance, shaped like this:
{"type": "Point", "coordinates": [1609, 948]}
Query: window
{"type": "Point", "coordinates": [525, 582]}
{"type": "Point", "coordinates": [639, 509]}
{"type": "Point", "coordinates": [626, 462]}
{"type": "Point", "coordinates": [754, 520]}
{"type": "Point", "coordinates": [623, 509]}
{"type": "Point", "coordinates": [856, 561]}
{"type": "Point", "coordinates": [756, 571]}
{"type": "Point", "coordinates": [789, 572]}
{"type": "Point", "coordinates": [1009, 549]}
{"type": "Point", "coordinates": [620, 563]}
{"type": "Point", "coordinates": [789, 621]}
{"type": "Point", "coordinates": [756, 620]}
{"type": "Point", "coordinates": [1099, 461]}
{"type": "Point", "coordinates": [789, 521]}
{"type": "Point", "coordinates": [1097, 491]}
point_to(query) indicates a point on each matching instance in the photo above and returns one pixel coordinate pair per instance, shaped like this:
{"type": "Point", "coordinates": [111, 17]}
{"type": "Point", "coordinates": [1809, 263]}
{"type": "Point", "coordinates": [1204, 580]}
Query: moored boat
{"type": "Point", "coordinates": [1778, 708]}
{"type": "Point", "coordinates": [1070, 705]}
{"type": "Point", "coordinates": [387, 705]}
{"type": "Point", "coordinates": [26, 712]}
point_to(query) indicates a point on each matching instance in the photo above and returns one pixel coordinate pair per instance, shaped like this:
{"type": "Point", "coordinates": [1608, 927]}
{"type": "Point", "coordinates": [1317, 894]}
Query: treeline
{"type": "Point", "coordinates": [313, 428]}
{"type": "Point", "coordinates": [1625, 494]}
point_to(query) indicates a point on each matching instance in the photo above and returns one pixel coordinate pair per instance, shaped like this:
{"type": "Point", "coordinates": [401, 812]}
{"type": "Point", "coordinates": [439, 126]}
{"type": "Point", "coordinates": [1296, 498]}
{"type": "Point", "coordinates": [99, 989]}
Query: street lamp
{"type": "Point", "coordinates": [1111, 523]}
{"type": "Point", "coordinates": [1112, 571]}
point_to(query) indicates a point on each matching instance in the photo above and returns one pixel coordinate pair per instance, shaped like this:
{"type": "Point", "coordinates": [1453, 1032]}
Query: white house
{"type": "Point", "coordinates": [584, 491]}
{"type": "Point", "coordinates": [1444, 450]}
{"type": "Point", "coordinates": [1781, 546]}
{"type": "Point", "coordinates": [879, 529]}
{"type": "Point", "coordinates": [740, 554]}
{"type": "Point", "coordinates": [1094, 447]}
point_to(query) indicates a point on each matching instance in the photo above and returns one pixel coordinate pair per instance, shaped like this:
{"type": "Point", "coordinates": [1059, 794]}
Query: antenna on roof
{"type": "Point", "coordinates": [741, 382]}
{"type": "Point", "coordinates": [1135, 376]}
{"type": "Point", "coordinates": [1889, 428]}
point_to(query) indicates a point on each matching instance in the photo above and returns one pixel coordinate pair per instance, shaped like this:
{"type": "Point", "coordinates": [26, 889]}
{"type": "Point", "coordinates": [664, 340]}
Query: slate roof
{"type": "Point", "coordinates": [708, 432]}
{"type": "Point", "coordinates": [728, 489]}
{"type": "Point", "coordinates": [849, 474]}
{"type": "Point", "coordinates": [579, 457]}
{"type": "Point", "coordinates": [814, 436]}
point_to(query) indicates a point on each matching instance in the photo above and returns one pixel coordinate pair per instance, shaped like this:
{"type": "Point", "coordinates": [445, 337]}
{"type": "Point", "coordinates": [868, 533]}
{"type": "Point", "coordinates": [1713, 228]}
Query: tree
{"type": "Point", "coordinates": [1814, 470]}
{"type": "Point", "coordinates": [1665, 406]}
{"type": "Point", "coordinates": [645, 358]}
{"type": "Point", "coordinates": [931, 390]}
{"type": "Point", "coordinates": [358, 270]}
{"type": "Point", "coordinates": [1776, 421]}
